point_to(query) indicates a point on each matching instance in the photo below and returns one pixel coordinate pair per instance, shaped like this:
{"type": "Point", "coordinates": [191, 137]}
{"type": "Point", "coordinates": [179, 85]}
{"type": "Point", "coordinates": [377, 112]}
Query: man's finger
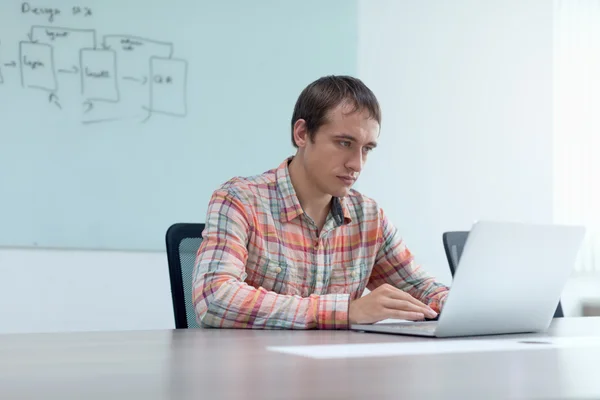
{"type": "Point", "coordinates": [408, 315]}
{"type": "Point", "coordinates": [398, 294]}
{"type": "Point", "coordinates": [404, 305]}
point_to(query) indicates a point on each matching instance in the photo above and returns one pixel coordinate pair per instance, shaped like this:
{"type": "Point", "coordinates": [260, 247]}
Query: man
{"type": "Point", "coordinates": [295, 247]}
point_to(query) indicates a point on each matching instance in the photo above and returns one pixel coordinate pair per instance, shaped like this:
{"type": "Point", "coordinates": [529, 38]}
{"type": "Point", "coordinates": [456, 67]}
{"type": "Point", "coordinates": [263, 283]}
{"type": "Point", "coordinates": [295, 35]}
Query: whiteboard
{"type": "Point", "coordinates": [120, 118]}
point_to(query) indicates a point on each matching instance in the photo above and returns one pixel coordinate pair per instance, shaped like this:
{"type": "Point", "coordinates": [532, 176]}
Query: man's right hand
{"type": "Point", "coordinates": [386, 302]}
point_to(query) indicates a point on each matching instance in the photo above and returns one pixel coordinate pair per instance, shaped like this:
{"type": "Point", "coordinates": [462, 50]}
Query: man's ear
{"type": "Point", "coordinates": [300, 133]}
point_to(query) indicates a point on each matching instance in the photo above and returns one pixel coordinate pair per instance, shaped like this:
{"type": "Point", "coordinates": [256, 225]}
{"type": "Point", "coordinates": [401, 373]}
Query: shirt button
{"type": "Point", "coordinates": [277, 270]}
{"type": "Point", "coordinates": [354, 274]}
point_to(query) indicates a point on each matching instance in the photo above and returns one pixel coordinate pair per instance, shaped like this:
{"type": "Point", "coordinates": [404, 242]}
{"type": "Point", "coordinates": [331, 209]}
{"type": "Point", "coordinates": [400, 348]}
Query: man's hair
{"type": "Point", "coordinates": [326, 93]}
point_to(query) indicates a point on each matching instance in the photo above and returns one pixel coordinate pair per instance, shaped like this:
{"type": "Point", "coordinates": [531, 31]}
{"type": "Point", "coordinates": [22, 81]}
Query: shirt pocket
{"type": "Point", "coordinates": [275, 275]}
{"type": "Point", "coordinates": [351, 279]}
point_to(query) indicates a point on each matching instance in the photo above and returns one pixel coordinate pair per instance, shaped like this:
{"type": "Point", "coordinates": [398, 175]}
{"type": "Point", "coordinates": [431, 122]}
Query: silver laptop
{"type": "Point", "coordinates": [509, 280]}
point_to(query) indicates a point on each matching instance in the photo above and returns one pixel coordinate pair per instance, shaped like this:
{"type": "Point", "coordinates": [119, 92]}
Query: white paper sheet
{"type": "Point", "coordinates": [435, 346]}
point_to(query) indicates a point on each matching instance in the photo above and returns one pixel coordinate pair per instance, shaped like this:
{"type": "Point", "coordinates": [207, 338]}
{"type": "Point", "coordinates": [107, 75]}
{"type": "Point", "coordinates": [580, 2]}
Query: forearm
{"type": "Point", "coordinates": [223, 302]}
{"type": "Point", "coordinates": [413, 280]}
{"type": "Point", "coordinates": [430, 292]}
{"type": "Point", "coordinates": [423, 287]}
{"type": "Point", "coordinates": [396, 266]}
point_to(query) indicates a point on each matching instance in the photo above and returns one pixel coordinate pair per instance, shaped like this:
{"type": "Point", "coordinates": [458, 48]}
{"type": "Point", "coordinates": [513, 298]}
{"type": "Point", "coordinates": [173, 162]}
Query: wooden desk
{"type": "Point", "coordinates": [234, 364]}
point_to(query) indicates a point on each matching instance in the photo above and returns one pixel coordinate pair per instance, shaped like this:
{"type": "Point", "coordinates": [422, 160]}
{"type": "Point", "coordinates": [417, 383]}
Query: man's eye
{"type": "Point", "coordinates": [345, 143]}
{"type": "Point", "coordinates": [367, 149]}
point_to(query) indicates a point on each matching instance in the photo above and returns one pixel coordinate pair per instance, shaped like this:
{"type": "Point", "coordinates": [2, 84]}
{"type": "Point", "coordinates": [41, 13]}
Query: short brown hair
{"type": "Point", "coordinates": [326, 93]}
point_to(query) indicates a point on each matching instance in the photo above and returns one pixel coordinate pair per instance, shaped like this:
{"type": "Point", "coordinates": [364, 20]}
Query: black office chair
{"type": "Point", "coordinates": [183, 241]}
{"type": "Point", "coordinates": [454, 244]}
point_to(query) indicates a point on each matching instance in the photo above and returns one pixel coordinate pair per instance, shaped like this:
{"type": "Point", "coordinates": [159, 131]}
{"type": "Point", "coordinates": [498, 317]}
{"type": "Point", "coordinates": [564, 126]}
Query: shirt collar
{"type": "Point", "coordinates": [342, 210]}
{"type": "Point", "coordinates": [290, 207]}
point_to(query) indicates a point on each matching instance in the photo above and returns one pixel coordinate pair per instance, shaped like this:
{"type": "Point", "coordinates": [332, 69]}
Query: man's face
{"type": "Point", "coordinates": [340, 149]}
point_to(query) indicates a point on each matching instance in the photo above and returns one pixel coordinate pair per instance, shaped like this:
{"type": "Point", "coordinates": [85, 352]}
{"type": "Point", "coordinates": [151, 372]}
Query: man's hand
{"type": "Point", "coordinates": [387, 302]}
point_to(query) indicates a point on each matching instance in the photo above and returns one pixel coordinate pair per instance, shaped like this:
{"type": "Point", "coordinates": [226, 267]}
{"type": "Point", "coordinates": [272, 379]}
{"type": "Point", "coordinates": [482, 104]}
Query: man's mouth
{"type": "Point", "coordinates": [348, 180]}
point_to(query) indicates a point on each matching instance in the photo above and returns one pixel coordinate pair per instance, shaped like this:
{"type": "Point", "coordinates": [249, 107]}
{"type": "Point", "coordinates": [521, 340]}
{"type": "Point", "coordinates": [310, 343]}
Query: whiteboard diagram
{"type": "Point", "coordinates": [116, 77]}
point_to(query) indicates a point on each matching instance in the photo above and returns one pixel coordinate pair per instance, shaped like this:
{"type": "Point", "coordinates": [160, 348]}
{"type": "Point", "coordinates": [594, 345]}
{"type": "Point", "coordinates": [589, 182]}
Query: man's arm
{"type": "Point", "coordinates": [222, 298]}
{"type": "Point", "coordinates": [395, 265]}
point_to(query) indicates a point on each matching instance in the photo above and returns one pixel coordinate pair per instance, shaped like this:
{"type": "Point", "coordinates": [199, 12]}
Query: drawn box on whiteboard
{"type": "Point", "coordinates": [65, 43]}
{"type": "Point", "coordinates": [168, 82]}
{"type": "Point", "coordinates": [99, 75]}
{"type": "Point", "coordinates": [37, 66]}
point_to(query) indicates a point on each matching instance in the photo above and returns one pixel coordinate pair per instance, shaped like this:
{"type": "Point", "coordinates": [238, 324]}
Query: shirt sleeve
{"type": "Point", "coordinates": [395, 265]}
{"type": "Point", "coordinates": [221, 297]}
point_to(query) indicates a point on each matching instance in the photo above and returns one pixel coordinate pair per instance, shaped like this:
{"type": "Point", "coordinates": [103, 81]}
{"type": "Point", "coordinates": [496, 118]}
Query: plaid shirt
{"type": "Point", "coordinates": [262, 265]}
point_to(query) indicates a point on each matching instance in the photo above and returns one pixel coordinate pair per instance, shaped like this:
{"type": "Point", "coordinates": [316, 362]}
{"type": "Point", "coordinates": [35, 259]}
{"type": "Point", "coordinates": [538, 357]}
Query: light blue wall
{"type": "Point", "coordinates": [120, 184]}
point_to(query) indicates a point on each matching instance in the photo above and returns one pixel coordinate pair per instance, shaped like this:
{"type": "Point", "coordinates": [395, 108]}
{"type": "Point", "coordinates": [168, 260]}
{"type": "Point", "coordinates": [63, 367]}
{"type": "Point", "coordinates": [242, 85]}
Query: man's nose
{"type": "Point", "coordinates": [355, 163]}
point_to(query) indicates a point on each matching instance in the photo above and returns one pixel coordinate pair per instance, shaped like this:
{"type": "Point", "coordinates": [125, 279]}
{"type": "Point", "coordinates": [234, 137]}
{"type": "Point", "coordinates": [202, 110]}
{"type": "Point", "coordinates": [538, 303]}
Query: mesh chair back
{"type": "Point", "coordinates": [454, 243]}
{"type": "Point", "coordinates": [183, 241]}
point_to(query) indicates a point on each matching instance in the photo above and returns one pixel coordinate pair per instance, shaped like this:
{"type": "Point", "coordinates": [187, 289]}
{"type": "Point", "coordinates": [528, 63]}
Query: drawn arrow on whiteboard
{"type": "Point", "coordinates": [89, 106]}
{"type": "Point", "coordinates": [31, 38]}
{"type": "Point", "coordinates": [53, 98]}
{"type": "Point", "coordinates": [73, 70]}
{"type": "Point", "coordinates": [143, 80]}
{"type": "Point", "coordinates": [102, 46]}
